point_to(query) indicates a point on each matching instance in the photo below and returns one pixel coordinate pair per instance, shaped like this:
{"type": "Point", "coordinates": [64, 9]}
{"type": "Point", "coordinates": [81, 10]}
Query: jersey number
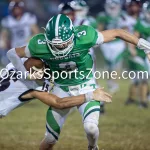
{"type": "Point", "coordinates": [82, 33]}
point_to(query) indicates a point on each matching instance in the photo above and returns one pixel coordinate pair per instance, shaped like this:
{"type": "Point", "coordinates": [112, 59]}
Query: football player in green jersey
{"type": "Point", "coordinates": [65, 49]}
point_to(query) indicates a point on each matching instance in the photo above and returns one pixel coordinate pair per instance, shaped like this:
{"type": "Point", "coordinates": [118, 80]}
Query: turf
{"type": "Point", "coordinates": [121, 128]}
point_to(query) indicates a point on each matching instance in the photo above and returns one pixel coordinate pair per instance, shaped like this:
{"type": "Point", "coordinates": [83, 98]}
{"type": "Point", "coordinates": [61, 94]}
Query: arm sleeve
{"type": "Point", "coordinates": [27, 51]}
{"type": "Point", "coordinates": [100, 38]}
{"type": "Point", "coordinates": [93, 37]}
{"type": "Point", "coordinates": [16, 60]}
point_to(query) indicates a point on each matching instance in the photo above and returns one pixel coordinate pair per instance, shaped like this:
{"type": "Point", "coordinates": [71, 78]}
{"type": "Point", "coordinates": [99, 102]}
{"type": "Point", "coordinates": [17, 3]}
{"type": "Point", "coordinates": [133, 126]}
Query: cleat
{"type": "Point", "coordinates": [93, 148]}
{"type": "Point", "coordinates": [143, 105]}
{"type": "Point", "coordinates": [130, 101]}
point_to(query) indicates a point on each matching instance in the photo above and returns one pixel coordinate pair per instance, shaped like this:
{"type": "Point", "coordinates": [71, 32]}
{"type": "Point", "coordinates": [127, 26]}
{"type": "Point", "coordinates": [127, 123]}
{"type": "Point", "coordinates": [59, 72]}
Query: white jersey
{"type": "Point", "coordinates": [11, 90]}
{"type": "Point", "coordinates": [20, 30]}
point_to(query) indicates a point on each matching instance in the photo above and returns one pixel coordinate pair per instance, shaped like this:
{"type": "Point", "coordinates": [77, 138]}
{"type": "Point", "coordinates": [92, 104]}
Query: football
{"type": "Point", "coordinates": [30, 62]}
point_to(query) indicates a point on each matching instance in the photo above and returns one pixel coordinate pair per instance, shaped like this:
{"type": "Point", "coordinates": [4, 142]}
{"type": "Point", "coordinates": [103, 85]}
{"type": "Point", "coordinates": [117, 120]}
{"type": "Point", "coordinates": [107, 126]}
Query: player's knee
{"type": "Point", "coordinates": [91, 128]}
{"type": "Point", "coordinates": [49, 138]}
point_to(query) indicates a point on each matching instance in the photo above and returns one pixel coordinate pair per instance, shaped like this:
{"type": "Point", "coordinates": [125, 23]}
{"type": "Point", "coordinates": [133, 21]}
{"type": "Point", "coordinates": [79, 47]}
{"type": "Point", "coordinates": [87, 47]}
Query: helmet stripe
{"type": "Point", "coordinates": [57, 25]}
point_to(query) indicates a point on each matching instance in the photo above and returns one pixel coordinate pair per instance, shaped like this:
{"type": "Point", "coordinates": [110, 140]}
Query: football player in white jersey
{"type": "Point", "coordinates": [130, 17]}
{"type": "Point", "coordinates": [18, 27]}
{"type": "Point", "coordinates": [16, 90]}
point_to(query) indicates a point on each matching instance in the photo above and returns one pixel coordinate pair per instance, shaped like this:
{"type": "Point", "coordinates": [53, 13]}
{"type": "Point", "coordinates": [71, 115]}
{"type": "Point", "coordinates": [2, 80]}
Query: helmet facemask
{"type": "Point", "coordinates": [60, 48]}
{"type": "Point", "coordinates": [60, 40]}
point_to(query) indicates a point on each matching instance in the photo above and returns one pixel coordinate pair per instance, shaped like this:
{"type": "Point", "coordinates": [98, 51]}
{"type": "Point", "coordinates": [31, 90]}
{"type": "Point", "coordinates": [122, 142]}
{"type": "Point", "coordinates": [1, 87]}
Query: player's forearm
{"type": "Point", "coordinates": [110, 35]}
{"type": "Point", "coordinates": [68, 102]}
{"type": "Point", "coordinates": [56, 102]}
{"type": "Point", "coordinates": [16, 60]}
{"type": "Point", "coordinates": [126, 36]}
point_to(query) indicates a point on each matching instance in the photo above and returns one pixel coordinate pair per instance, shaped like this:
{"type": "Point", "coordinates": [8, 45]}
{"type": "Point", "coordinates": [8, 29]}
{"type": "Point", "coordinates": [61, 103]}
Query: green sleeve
{"type": "Point", "coordinates": [94, 35]}
{"type": "Point", "coordinates": [32, 46]}
{"type": "Point", "coordinates": [91, 37]}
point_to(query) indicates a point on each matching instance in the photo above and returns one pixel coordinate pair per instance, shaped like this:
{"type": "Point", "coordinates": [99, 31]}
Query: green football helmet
{"type": "Point", "coordinates": [59, 34]}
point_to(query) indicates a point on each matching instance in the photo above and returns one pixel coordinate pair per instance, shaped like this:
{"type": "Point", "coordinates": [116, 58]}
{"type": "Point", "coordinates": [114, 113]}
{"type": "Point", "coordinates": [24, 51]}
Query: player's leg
{"type": "Point", "coordinates": [139, 87]}
{"type": "Point", "coordinates": [90, 114]}
{"type": "Point", "coordinates": [143, 90]}
{"type": "Point", "coordinates": [54, 122]}
{"type": "Point", "coordinates": [132, 93]}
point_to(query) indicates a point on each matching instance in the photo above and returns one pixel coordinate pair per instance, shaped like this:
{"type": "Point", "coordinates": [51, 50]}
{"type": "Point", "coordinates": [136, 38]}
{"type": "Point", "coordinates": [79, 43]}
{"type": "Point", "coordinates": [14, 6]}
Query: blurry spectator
{"type": "Point", "coordinates": [129, 19]}
{"type": "Point", "coordinates": [110, 20]}
{"type": "Point", "coordinates": [136, 59]}
{"type": "Point", "coordinates": [17, 28]}
{"type": "Point", "coordinates": [52, 7]}
{"type": "Point", "coordinates": [65, 8]}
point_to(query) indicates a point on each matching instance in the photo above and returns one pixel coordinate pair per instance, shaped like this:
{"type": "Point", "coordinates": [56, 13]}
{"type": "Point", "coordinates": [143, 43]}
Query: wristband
{"type": "Point", "coordinates": [145, 45]}
{"type": "Point", "coordinates": [88, 96]}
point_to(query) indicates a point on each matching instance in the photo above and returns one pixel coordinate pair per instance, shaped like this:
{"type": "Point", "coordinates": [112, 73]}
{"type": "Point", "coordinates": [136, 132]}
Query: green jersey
{"type": "Point", "coordinates": [143, 28]}
{"type": "Point", "coordinates": [75, 68]}
{"type": "Point", "coordinates": [108, 21]}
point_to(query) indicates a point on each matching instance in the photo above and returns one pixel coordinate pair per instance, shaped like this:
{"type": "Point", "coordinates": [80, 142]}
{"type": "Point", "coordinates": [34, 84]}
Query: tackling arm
{"type": "Point", "coordinates": [15, 55]}
{"type": "Point", "coordinates": [67, 102]}
{"type": "Point", "coordinates": [59, 103]}
{"type": "Point", "coordinates": [110, 35]}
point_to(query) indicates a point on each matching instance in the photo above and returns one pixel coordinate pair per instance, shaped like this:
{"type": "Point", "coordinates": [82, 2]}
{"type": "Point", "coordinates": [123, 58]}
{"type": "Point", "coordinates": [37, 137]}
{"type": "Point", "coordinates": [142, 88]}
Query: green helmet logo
{"type": "Point", "coordinates": [59, 35]}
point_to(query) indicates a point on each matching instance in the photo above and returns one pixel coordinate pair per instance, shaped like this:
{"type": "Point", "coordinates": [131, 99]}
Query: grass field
{"type": "Point", "coordinates": [121, 128]}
